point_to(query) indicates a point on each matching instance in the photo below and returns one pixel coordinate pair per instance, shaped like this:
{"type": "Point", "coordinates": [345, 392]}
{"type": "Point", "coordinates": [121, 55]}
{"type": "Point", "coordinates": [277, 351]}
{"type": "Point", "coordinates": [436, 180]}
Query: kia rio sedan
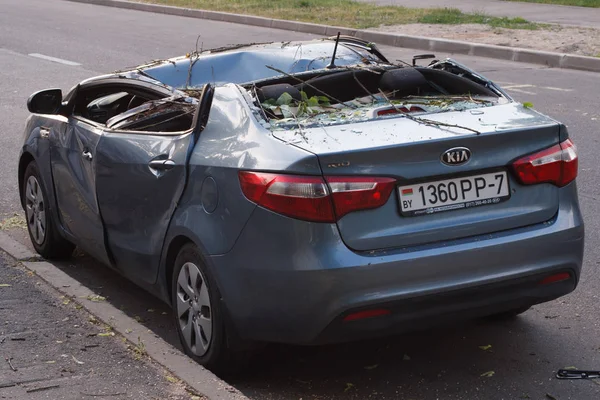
{"type": "Point", "coordinates": [306, 192]}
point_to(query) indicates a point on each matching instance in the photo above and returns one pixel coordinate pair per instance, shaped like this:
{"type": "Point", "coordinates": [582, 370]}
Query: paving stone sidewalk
{"type": "Point", "coordinates": [50, 349]}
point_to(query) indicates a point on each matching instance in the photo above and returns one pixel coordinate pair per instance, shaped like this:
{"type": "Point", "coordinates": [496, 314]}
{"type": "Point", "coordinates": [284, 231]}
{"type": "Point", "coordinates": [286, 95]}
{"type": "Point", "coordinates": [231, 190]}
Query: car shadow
{"type": "Point", "coordinates": [480, 359]}
{"type": "Point", "coordinates": [415, 365]}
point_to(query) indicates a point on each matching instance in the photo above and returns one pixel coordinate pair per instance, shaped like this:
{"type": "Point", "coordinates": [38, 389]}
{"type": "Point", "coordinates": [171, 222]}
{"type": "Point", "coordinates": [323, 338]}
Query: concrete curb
{"type": "Point", "coordinates": [15, 249]}
{"type": "Point", "coordinates": [192, 374]}
{"type": "Point", "coordinates": [555, 60]}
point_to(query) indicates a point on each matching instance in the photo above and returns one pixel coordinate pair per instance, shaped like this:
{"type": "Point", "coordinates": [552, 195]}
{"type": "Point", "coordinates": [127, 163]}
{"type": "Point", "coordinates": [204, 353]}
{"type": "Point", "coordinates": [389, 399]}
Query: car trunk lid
{"type": "Point", "coordinates": [410, 152]}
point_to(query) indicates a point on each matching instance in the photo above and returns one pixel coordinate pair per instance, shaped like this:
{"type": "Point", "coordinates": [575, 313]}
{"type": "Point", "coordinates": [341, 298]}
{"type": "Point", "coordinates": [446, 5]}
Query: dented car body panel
{"type": "Point", "coordinates": [295, 175]}
{"type": "Point", "coordinates": [250, 63]}
{"type": "Point", "coordinates": [74, 172]}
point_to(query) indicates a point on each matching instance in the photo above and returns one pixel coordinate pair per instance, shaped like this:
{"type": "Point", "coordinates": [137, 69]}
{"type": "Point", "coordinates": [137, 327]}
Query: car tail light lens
{"type": "Point", "coordinates": [378, 312]}
{"type": "Point", "coordinates": [302, 197]}
{"type": "Point", "coordinates": [358, 193]}
{"type": "Point", "coordinates": [311, 198]}
{"type": "Point", "coordinates": [563, 276]}
{"type": "Point", "coordinates": [396, 110]}
{"type": "Point", "coordinates": [557, 164]}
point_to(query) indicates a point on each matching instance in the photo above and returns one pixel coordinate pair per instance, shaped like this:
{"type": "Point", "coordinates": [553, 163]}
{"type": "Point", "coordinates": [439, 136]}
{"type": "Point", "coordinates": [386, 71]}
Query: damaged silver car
{"type": "Point", "coordinates": [306, 192]}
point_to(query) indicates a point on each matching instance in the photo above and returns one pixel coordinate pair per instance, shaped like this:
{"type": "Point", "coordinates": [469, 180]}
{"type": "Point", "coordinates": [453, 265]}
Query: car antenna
{"type": "Point", "coordinates": [332, 63]}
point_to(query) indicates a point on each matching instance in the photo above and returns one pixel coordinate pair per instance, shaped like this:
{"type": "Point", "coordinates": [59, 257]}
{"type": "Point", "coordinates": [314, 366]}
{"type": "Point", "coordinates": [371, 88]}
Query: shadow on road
{"type": "Point", "coordinates": [479, 359]}
{"type": "Point", "coordinates": [445, 358]}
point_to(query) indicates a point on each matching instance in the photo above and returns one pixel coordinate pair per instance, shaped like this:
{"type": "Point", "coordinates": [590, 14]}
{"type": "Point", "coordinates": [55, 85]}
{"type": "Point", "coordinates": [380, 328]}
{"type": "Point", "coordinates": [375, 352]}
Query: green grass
{"type": "Point", "coordinates": [579, 3]}
{"type": "Point", "coordinates": [453, 16]}
{"type": "Point", "coordinates": [347, 13]}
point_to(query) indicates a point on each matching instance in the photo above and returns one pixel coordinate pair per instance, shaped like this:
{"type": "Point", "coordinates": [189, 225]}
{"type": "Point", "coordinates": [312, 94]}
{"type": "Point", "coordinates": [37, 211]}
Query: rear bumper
{"type": "Point", "coordinates": [428, 311]}
{"type": "Point", "coordinates": [292, 281]}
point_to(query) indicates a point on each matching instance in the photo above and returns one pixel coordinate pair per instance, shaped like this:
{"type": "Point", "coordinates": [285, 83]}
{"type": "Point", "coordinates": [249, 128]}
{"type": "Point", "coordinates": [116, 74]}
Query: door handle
{"type": "Point", "coordinates": [162, 165]}
{"type": "Point", "coordinates": [44, 132]}
{"type": "Point", "coordinates": [87, 155]}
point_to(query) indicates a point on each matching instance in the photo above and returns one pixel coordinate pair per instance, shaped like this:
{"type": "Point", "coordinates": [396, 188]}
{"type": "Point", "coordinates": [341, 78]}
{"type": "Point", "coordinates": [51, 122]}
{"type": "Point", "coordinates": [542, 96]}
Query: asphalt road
{"type": "Point", "coordinates": [445, 363]}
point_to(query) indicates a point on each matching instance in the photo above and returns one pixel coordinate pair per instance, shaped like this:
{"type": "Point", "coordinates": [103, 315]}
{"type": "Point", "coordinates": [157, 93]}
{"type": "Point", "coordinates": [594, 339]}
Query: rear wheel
{"type": "Point", "coordinates": [200, 317]}
{"type": "Point", "coordinates": [42, 231]}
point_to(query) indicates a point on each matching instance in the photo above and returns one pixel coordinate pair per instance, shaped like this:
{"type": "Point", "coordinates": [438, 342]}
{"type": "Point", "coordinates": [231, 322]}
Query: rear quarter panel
{"type": "Point", "coordinates": [213, 210]}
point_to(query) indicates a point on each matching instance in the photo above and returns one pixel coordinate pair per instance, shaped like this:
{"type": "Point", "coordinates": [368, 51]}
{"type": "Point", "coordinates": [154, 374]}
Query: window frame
{"type": "Point", "coordinates": [122, 85]}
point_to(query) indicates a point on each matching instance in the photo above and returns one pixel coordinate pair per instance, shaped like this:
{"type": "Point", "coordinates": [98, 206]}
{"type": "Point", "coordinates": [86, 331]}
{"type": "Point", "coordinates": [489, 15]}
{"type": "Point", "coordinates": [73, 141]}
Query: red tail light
{"type": "Point", "coordinates": [302, 197]}
{"type": "Point", "coordinates": [403, 110]}
{"type": "Point", "coordinates": [557, 164]}
{"type": "Point", "coordinates": [563, 276]}
{"type": "Point", "coordinates": [378, 312]}
{"type": "Point", "coordinates": [358, 193]}
{"type": "Point", "coordinates": [310, 198]}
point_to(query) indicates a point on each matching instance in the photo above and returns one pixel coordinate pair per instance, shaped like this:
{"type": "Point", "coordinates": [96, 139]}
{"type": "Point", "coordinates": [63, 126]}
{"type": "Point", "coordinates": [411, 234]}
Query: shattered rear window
{"type": "Point", "coordinates": [317, 111]}
{"type": "Point", "coordinates": [361, 94]}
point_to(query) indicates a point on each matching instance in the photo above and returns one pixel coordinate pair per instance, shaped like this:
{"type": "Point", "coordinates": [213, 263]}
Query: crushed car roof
{"type": "Point", "coordinates": [251, 63]}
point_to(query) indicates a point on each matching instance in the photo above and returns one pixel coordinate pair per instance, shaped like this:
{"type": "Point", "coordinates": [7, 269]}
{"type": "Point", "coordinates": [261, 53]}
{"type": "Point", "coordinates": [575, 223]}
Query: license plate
{"type": "Point", "coordinates": [453, 194]}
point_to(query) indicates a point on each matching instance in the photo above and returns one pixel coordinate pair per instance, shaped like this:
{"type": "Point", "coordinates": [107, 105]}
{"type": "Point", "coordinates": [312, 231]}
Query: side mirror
{"type": "Point", "coordinates": [46, 101]}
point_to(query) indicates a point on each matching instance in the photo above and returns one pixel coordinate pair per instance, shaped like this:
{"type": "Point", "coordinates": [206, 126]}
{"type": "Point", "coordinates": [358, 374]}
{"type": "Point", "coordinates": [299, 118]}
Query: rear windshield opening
{"type": "Point", "coordinates": [363, 94]}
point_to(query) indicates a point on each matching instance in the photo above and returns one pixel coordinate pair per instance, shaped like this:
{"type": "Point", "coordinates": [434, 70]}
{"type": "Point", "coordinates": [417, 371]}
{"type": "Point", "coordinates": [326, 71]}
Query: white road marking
{"type": "Point", "coordinates": [522, 91]}
{"type": "Point", "coordinates": [557, 88]}
{"type": "Point", "coordinates": [514, 85]}
{"type": "Point", "coordinates": [54, 59]}
{"type": "Point", "coordinates": [518, 87]}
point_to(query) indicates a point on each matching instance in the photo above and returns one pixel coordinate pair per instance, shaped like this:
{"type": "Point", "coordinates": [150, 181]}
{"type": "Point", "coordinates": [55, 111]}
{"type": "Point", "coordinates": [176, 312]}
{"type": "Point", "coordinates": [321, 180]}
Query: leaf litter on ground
{"type": "Point", "coordinates": [96, 298]}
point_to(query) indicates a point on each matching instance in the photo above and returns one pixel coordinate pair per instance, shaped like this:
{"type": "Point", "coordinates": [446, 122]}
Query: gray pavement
{"type": "Point", "coordinates": [445, 363]}
{"type": "Point", "coordinates": [59, 352]}
{"type": "Point", "coordinates": [547, 13]}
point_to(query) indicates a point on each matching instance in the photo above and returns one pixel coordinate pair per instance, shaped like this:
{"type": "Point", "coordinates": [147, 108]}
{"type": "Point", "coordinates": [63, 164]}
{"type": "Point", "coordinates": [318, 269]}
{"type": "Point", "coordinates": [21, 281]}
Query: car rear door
{"type": "Point", "coordinates": [140, 178]}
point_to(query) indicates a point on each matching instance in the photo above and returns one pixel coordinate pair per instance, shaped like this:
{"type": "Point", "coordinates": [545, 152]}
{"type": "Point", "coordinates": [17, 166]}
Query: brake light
{"type": "Point", "coordinates": [358, 193]}
{"type": "Point", "coordinates": [311, 198]}
{"type": "Point", "coordinates": [557, 164]}
{"type": "Point", "coordinates": [302, 197]}
{"type": "Point", "coordinates": [396, 110]}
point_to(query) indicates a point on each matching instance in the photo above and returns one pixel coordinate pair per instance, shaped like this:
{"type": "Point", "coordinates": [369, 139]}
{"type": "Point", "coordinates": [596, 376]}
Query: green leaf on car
{"type": "Point", "coordinates": [285, 99]}
{"type": "Point", "coordinates": [313, 102]}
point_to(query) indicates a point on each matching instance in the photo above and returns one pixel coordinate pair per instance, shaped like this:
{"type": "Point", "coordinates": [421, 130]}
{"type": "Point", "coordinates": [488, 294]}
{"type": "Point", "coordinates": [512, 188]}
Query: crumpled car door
{"type": "Point", "coordinates": [139, 180]}
{"type": "Point", "coordinates": [140, 177]}
{"type": "Point", "coordinates": [73, 160]}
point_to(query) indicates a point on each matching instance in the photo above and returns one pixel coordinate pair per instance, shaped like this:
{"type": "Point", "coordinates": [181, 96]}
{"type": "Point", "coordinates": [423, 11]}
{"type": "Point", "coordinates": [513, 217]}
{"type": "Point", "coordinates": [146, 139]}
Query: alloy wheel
{"type": "Point", "coordinates": [35, 209]}
{"type": "Point", "coordinates": [194, 309]}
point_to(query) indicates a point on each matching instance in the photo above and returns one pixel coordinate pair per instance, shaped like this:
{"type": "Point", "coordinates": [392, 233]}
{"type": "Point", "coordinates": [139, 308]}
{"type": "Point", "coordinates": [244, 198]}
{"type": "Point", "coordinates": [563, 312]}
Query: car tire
{"type": "Point", "coordinates": [42, 229]}
{"type": "Point", "coordinates": [196, 301]}
{"type": "Point", "coordinates": [510, 314]}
